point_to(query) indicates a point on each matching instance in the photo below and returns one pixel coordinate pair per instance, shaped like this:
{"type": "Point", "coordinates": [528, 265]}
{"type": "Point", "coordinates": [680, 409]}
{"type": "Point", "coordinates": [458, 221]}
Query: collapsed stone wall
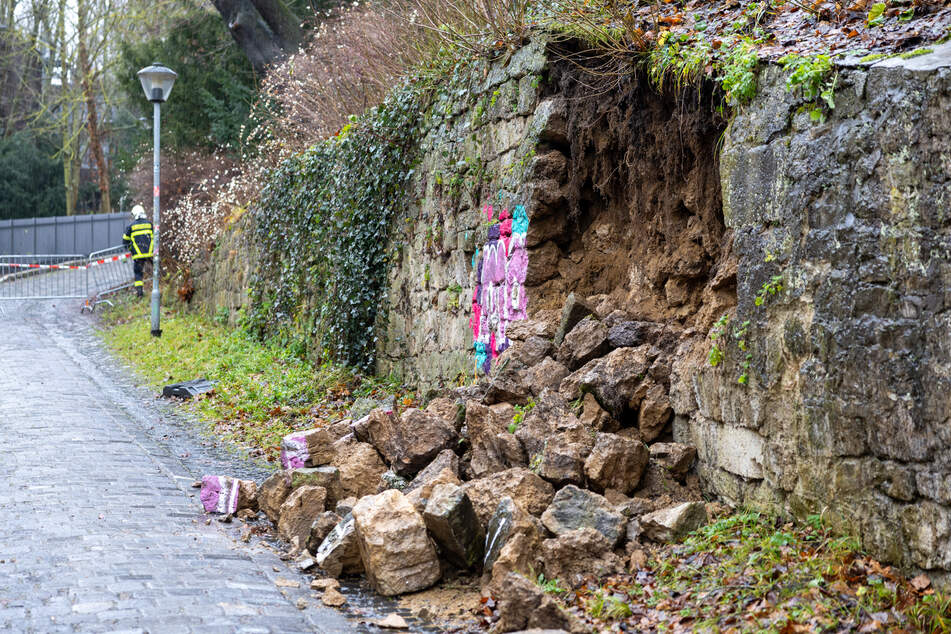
{"type": "Point", "coordinates": [618, 209]}
{"type": "Point", "coordinates": [845, 411]}
{"type": "Point", "coordinates": [831, 394]}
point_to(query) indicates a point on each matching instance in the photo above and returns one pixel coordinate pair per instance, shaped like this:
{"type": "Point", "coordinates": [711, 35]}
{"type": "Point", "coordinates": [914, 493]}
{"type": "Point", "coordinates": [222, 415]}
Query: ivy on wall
{"type": "Point", "coordinates": [322, 229]}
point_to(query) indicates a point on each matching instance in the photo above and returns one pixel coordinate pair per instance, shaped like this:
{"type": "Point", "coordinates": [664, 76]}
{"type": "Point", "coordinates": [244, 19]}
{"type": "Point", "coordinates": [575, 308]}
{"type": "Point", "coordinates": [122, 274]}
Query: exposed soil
{"type": "Point", "coordinates": [632, 180]}
{"type": "Point", "coordinates": [452, 605]}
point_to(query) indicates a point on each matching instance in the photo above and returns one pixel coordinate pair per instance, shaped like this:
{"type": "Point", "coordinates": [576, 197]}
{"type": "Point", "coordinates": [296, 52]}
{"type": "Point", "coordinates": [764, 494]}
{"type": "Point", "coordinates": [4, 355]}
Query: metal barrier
{"type": "Point", "coordinates": [92, 277]}
{"type": "Point", "coordinates": [43, 277]}
{"type": "Point", "coordinates": [110, 271]}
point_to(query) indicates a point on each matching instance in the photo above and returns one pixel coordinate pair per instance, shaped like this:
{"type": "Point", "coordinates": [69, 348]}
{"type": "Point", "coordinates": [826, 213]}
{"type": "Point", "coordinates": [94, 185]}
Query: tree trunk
{"type": "Point", "coordinates": [92, 117]}
{"type": "Point", "coordinates": [266, 30]}
{"type": "Point", "coordinates": [71, 167]}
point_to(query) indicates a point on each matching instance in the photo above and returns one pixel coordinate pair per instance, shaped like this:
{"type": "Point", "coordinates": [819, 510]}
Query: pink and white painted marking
{"type": "Point", "coordinates": [499, 296]}
{"type": "Point", "coordinates": [219, 494]}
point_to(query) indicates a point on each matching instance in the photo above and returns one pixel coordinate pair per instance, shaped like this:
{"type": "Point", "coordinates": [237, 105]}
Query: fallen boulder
{"type": "Point", "coordinates": [360, 467]}
{"type": "Point", "coordinates": [272, 493]}
{"type": "Point", "coordinates": [655, 412]}
{"type": "Point", "coordinates": [410, 442]}
{"type": "Point", "coordinates": [630, 334]}
{"type": "Point", "coordinates": [452, 522]}
{"type": "Point", "coordinates": [494, 448]}
{"type": "Point", "coordinates": [339, 553]}
{"type": "Point", "coordinates": [311, 448]}
{"type": "Point", "coordinates": [321, 527]}
{"type": "Point", "coordinates": [298, 513]}
{"type": "Point", "coordinates": [616, 380]}
{"type": "Point", "coordinates": [676, 457]}
{"type": "Point", "coordinates": [574, 508]}
{"type": "Point", "coordinates": [448, 409]}
{"type": "Point", "coordinates": [223, 494]}
{"type": "Point", "coordinates": [673, 523]}
{"type": "Point", "coordinates": [510, 540]}
{"type": "Point", "coordinates": [564, 453]}
{"type": "Point", "coordinates": [397, 554]}
{"type": "Point", "coordinates": [419, 497]}
{"type": "Point", "coordinates": [616, 462]}
{"type": "Point", "coordinates": [327, 477]}
{"type": "Point", "coordinates": [548, 374]}
{"type": "Point", "coordinates": [550, 413]}
{"type": "Point", "coordinates": [578, 553]}
{"type": "Point", "coordinates": [447, 459]}
{"type": "Point", "coordinates": [522, 330]}
{"type": "Point", "coordinates": [530, 492]}
{"type": "Point", "coordinates": [587, 340]}
{"type": "Point", "coordinates": [507, 383]}
{"type": "Point", "coordinates": [531, 351]}
{"type": "Point", "coordinates": [522, 605]}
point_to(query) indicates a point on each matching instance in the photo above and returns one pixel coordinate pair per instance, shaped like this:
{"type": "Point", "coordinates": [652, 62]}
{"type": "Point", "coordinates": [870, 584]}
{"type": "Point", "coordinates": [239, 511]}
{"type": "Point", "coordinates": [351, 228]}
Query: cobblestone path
{"type": "Point", "coordinates": [100, 530]}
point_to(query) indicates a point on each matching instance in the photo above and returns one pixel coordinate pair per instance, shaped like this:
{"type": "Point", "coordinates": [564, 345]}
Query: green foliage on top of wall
{"type": "Point", "coordinates": [322, 229]}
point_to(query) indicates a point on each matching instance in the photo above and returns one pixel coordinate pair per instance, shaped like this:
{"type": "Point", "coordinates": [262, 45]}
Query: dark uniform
{"type": "Point", "coordinates": [139, 240]}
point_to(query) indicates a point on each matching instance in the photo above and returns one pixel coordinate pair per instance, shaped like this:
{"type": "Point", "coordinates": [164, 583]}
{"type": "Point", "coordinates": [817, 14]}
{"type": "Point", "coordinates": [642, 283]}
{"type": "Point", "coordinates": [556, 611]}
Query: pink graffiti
{"type": "Point", "coordinates": [499, 297]}
{"type": "Point", "coordinates": [476, 318]}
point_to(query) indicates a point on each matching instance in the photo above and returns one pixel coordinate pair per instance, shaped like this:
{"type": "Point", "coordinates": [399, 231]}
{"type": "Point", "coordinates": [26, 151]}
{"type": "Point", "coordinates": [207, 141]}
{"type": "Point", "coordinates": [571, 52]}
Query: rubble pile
{"type": "Point", "coordinates": [558, 464]}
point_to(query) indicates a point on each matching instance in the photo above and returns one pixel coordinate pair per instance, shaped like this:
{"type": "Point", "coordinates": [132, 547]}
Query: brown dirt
{"type": "Point", "coordinates": [452, 604]}
{"type": "Point", "coordinates": [640, 199]}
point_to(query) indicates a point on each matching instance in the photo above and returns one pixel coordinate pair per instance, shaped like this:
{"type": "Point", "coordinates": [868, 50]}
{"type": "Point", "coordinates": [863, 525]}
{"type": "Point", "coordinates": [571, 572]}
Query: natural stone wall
{"type": "Point", "coordinates": [845, 411]}
{"type": "Point", "coordinates": [478, 153]}
{"type": "Point", "coordinates": [222, 279]}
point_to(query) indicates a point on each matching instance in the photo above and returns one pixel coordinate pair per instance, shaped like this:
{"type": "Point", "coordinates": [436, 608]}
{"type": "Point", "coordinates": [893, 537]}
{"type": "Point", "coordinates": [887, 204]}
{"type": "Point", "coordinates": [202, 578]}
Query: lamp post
{"type": "Point", "coordinates": [157, 81]}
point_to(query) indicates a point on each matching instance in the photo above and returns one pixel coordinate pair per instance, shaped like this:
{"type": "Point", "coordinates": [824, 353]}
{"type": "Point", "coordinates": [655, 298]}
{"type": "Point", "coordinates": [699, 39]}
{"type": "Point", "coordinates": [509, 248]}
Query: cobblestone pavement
{"type": "Point", "coordinates": [100, 530]}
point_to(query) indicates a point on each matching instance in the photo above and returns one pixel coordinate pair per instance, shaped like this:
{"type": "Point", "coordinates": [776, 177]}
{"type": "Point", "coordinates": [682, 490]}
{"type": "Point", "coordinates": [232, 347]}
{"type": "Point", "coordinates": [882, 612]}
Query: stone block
{"type": "Point", "coordinates": [616, 462]}
{"type": "Point", "coordinates": [527, 489]}
{"type": "Point", "coordinates": [397, 554]}
{"type": "Point", "coordinates": [327, 477]}
{"type": "Point", "coordinates": [451, 520]}
{"type": "Point", "coordinates": [673, 523]}
{"type": "Point", "coordinates": [311, 448]}
{"type": "Point", "coordinates": [223, 494]}
{"type": "Point", "coordinates": [339, 553]}
{"type": "Point", "coordinates": [573, 508]}
{"type": "Point", "coordinates": [298, 513]}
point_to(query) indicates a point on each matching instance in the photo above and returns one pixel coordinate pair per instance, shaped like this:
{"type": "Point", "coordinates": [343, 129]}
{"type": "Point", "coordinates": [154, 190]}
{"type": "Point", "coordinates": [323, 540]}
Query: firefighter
{"type": "Point", "coordinates": [138, 239]}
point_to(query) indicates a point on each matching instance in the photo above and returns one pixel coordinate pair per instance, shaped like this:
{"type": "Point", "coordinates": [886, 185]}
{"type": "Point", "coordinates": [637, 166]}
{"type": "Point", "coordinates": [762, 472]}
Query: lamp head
{"type": "Point", "coordinates": [157, 81]}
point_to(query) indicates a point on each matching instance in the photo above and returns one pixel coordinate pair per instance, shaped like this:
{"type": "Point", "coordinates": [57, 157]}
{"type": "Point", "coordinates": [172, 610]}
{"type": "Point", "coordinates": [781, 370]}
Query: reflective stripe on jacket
{"type": "Point", "coordinates": [139, 240]}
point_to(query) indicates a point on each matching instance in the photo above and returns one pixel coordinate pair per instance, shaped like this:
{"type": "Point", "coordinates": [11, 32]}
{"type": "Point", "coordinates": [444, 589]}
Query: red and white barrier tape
{"type": "Point", "coordinates": [114, 258]}
{"type": "Point", "coordinates": [66, 267]}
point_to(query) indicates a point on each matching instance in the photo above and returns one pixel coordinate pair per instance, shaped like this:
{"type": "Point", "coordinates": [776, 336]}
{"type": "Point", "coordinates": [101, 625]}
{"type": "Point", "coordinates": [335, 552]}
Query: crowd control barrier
{"type": "Point", "coordinates": [90, 277]}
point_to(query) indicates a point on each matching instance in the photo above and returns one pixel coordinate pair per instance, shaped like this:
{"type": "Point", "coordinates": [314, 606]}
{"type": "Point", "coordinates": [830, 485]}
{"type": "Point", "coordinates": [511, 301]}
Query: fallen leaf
{"type": "Point", "coordinates": [921, 583]}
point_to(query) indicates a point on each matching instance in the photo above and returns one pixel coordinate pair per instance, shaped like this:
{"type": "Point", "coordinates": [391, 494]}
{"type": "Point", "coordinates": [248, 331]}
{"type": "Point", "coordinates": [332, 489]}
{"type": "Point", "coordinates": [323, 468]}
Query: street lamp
{"type": "Point", "coordinates": [157, 81]}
